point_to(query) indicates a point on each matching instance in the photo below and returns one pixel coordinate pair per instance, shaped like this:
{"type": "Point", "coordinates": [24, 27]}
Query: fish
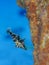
{"type": "Point", "coordinates": [22, 12]}
{"type": "Point", "coordinates": [17, 40]}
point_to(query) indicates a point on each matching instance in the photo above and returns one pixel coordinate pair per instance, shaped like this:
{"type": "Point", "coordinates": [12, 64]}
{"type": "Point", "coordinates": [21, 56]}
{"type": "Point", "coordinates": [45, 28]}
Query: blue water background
{"type": "Point", "coordinates": [11, 16]}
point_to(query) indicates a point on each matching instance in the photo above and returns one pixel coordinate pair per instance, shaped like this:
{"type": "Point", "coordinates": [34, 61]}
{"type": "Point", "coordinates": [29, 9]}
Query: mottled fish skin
{"type": "Point", "coordinates": [17, 40]}
{"type": "Point", "coordinates": [38, 15]}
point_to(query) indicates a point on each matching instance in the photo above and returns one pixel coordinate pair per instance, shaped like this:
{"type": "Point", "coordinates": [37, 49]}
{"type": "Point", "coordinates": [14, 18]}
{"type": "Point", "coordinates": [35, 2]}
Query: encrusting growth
{"type": "Point", "coordinates": [38, 15]}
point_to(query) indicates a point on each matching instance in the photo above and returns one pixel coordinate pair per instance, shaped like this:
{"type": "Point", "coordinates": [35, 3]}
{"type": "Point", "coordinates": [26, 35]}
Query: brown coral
{"type": "Point", "coordinates": [38, 14]}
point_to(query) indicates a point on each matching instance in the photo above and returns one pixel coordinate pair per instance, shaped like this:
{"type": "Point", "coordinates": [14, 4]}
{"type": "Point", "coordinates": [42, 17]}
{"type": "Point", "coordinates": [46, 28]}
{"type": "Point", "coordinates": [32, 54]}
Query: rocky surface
{"type": "Point", "coordinates": [38, 15]}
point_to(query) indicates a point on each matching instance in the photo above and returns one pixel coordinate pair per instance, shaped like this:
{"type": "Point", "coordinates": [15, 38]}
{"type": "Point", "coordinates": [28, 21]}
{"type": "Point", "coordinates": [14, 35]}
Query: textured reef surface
{"type": "Point", "coordinates": [38, 15]}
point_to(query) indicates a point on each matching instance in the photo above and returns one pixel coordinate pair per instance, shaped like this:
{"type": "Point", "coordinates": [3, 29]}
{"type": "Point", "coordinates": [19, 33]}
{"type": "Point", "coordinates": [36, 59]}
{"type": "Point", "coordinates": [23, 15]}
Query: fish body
{"type": "Point", "coordinates": [17, 40]}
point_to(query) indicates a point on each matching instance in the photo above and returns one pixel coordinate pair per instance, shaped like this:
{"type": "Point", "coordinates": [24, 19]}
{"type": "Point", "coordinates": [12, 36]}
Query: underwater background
{"type": "Point", "coordinates": [14, 17]}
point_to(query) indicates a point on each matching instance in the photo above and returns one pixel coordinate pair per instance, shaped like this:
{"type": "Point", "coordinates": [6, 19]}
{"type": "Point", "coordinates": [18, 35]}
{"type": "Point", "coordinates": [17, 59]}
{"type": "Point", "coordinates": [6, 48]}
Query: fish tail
{"type": "Point", "coordinates": [12, 34]}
